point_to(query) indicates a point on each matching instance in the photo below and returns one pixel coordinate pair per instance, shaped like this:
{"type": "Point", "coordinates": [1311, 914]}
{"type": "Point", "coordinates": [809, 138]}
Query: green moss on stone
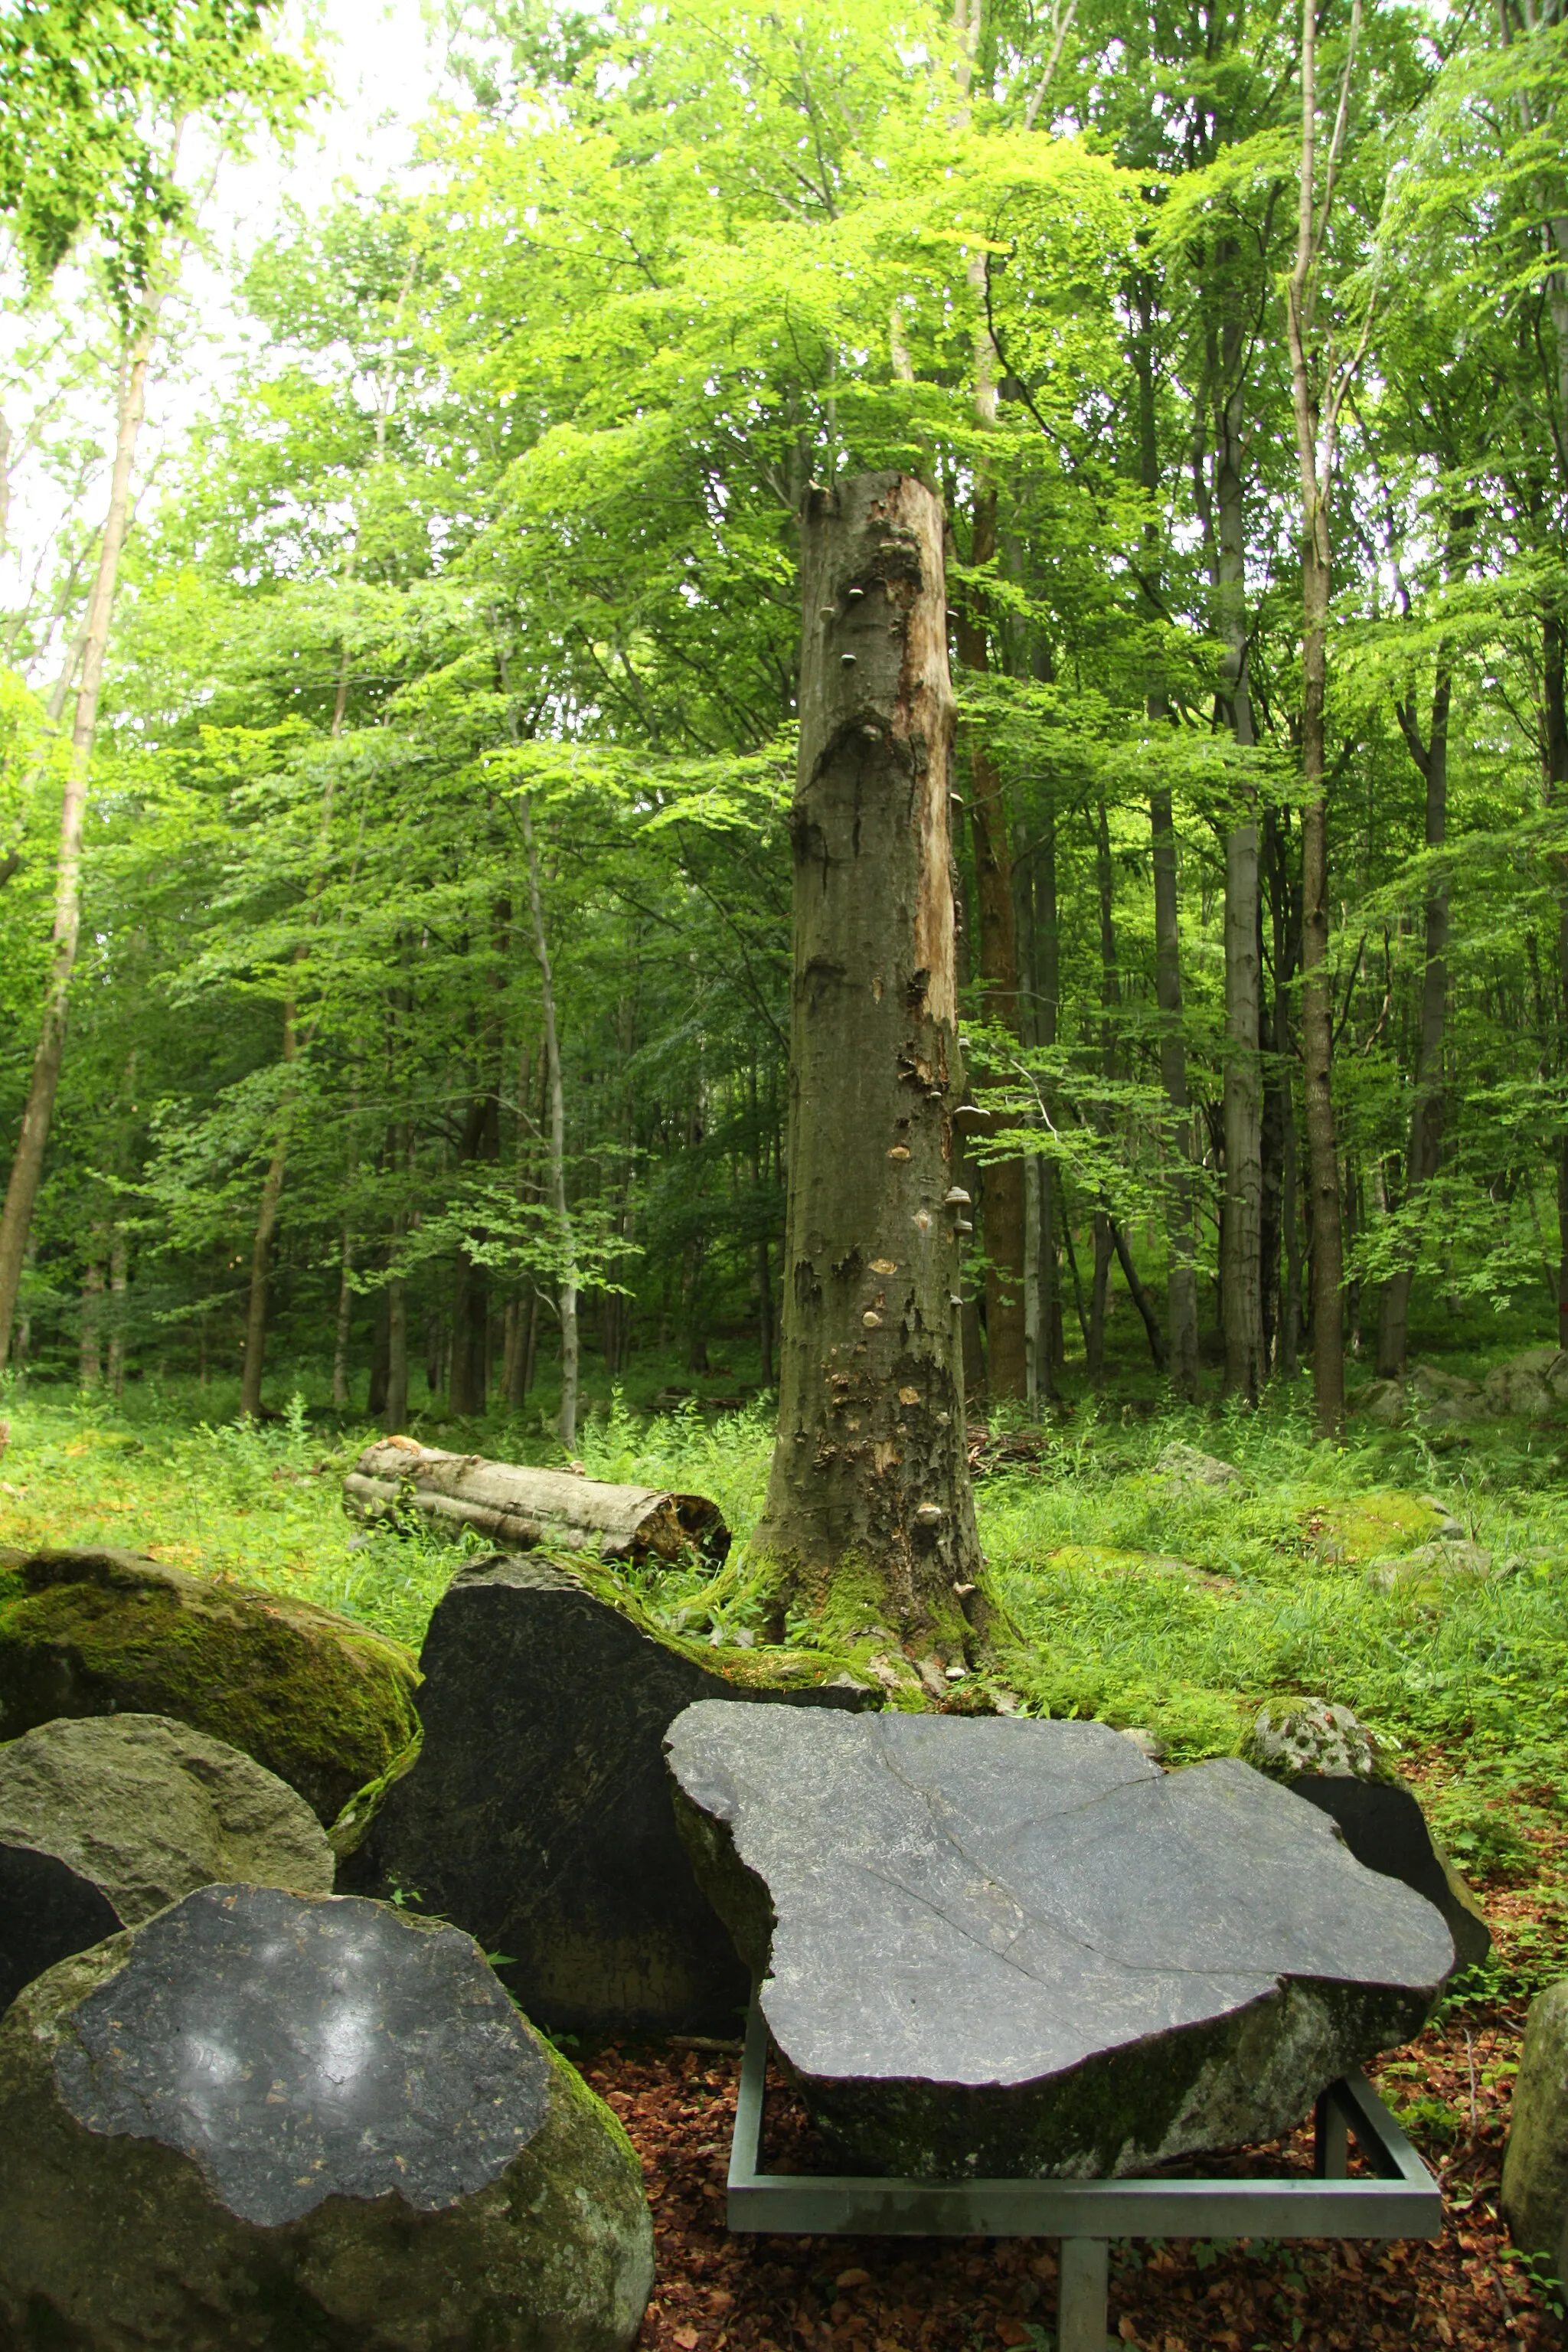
{"type": "Point", "coordinates": [325, 1704]}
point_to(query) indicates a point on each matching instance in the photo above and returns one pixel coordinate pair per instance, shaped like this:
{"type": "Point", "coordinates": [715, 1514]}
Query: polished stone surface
{"type": "Point", "coordinates": [968, 1910]}
{"type": "Point", "coordinates": [47, 1911]}
{"type": "Point", "coordinates": [296, 2050]}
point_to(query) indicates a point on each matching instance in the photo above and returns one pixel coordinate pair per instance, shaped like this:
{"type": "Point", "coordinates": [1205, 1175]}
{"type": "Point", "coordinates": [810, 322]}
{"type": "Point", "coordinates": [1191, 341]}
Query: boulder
{"type": "Point", "coordinates": [1310, 1736]}
{"type": "Point", "coordinates": [1002, 1948]}
{"type": "Point", "coordinates": [1535, 2168]}
{"type": "Point", "coordinates": [1383, 1826]}
{"type": "Point", "coordinates": [1442, 1397]}
{"type": "Point", "coordinates": [133, 1810]}
{"type": "Point", "coordinates": [1382, 1402]}
{"type": "Point", "coordinates": [323, 1703]}
{"type": "Point", "coordinates": [1531, 1385]}
{"type": "Point", "coordinates": [1184, 1466]}
{"type": "Point", "coordinates": [263, 2120]}
{"type": "Point", "coordinates": [539, 1814]}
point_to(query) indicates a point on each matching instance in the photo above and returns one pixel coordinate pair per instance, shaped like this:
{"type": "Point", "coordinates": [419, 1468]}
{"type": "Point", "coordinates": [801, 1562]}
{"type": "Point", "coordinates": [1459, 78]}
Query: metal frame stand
{"type": "Point", "coordinates": [1402, 2201]}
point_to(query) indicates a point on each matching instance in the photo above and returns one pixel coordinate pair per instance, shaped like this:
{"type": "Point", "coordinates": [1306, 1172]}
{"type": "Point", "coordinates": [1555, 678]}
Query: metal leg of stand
{"type": "Point", "coordinates": [1331, 2139]}
{"type": "Point", "coordinates": [1081, 2306]}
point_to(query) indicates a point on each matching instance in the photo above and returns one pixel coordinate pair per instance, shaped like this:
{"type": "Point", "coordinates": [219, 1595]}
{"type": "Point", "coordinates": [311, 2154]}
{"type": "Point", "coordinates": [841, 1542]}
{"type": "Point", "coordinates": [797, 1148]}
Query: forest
{"type": "Point", "coordinates": [394, 927]}
{"type": "Point", "coordinates": [407, 646]}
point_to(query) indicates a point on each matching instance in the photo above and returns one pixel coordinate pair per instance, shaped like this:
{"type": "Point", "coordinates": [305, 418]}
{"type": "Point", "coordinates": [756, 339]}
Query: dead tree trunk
{"type": "Point", "coordinates": [403, 1482]}
{"type": "Point", "coordinates": [868, 1498]}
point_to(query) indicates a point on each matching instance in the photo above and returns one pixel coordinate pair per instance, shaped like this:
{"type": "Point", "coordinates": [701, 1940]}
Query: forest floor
{"type": "Point", "coordinates": [1144, 1601]}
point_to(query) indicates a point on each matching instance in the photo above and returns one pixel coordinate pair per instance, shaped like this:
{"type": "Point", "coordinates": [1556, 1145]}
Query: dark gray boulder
{"type": "Point", "coordinates": [1013, 1947]}
{"type": "Point", "coordinates": [1383, 1826]}
{"type": "Point", "coordinates": [105, 1818]}
{"type": "Point", "coordinates": [539, 1814]}
{"type": "Point", "coordinates": [263, 2120]}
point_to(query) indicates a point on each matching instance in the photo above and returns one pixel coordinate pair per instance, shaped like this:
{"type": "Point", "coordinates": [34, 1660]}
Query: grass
{"type": "Point", "coordinates": [1143, 1602]}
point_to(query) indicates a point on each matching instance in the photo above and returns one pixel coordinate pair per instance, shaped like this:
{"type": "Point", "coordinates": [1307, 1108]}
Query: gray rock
{"type": "Point", "coordinates": [1443, 1397]}
{"type": "Point", "coordinates": [1535, 2168]}
{"type": "Point", "coordinates": [1311, 1736]}
{"type": "Point", "coordinates": [1004, 1948]}
{"type": "Point", "coordinates": [263, 2120]}
{"type": "Point", "coordinates": [1187, 1466]}
{"type": "Point", "coordinates": [539, 1814]}
{"type": "Point", "coordinates": [1529, 1385]}
{"type": "Point", "coordinates": [1382, 1402]}
{"type": "Point", "coordinates": [142, 1810]}
{"type": "Point", "coordinates": [1383, 1826]}
{"type": "Point", "coordinates": [1453, 1556]}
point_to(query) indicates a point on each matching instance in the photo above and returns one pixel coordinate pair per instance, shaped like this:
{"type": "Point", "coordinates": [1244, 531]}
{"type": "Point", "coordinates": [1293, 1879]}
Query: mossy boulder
{"type": "Point", "coordinates": [323, 1703]}
{"type": "Point", "coordinates": [263, 2124]}
{"type": "Point", "coordinates": [1359, 1528]}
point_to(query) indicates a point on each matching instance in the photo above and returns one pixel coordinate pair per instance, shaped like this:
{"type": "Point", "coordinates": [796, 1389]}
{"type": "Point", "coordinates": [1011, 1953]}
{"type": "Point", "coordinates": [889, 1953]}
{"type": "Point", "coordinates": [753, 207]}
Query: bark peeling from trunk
{"type": "Point", "coordinates": [869, 1513]}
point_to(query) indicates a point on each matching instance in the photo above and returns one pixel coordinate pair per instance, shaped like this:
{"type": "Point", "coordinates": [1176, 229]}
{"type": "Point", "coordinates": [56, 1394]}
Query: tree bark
{"type": "Point", "coordinates": [1241, 1226]}
{"type": "Point", "coordinates": [1180, 1280]}
{"type": "Point", "coordinates": [555, 1157]}
{"type": "Point", "coordinates": [28, 1165]}
{"type": "Point", "coordinates": [397, 1478]}
{"type": "Point", "coordinates": [1316, 470]}
{"type": "Point", "coordinates": [341, 1326]}
{"type": "Point", "coordinates": [1425, 1147]}
{"type": "Point", "coordinates": [869, 1495]}
{"type": "Point", "coordinates": [1007, 1358]}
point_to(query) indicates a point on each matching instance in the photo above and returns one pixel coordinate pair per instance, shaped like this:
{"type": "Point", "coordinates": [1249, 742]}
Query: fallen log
{"type": "Point", "coordinates": [397, 1480]}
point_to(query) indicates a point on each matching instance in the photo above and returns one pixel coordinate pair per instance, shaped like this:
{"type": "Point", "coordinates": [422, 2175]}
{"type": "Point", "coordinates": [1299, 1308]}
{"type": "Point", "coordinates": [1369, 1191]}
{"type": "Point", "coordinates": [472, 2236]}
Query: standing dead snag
{"type": "Point", "coordinates": [869, 1521]}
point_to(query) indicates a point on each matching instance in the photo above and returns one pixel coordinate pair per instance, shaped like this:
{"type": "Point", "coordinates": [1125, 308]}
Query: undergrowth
{"type": "Point", "coordinates": [1177, 1609]}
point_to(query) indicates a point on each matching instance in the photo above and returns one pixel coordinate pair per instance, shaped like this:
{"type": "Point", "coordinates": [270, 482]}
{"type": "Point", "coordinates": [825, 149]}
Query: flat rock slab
{"type": "Point", "coordinates": [260, 2105]}
{"type": "Point", "coordinates": [1383, 1826]}
{"type": "Point", "coordinates": [539, 1815]}
{"type": "Point", "coordinates": [1018, 1949]}
{"type": "Point", "coordinates": [325, 1704]}
{"type": "Point", "coordinates": [108, 1818]}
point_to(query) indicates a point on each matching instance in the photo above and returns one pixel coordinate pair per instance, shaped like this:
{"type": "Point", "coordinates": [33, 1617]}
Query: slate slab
{"type": "Point", "coordinates": [263, 2118]}
{"type": "Point", "coordinates": [1383, 1826]}
{"type": "Point", "coordinates": [104, 1819]}
{"type": "Point", "coordinates": [325, 1704]}
{"type": "Point", "coordinates": [539, 1813]}
{"type": "Point", "coordinates": [1015, 1947]}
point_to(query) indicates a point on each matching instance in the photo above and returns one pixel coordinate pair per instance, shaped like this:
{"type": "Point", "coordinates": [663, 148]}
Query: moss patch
{"type": "Point", "coordinates": [323, 1703]}
{"type": "Point", "coordinates": [1371, 1527]}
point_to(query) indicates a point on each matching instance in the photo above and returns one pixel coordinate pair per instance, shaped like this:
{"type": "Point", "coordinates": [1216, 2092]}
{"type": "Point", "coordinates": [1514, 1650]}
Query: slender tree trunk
{"type": "Point", "coordinates": [1425, 1147]}
{"type": "Point", "coordinates": [1554, 670]}
{"type": "Point", "coordinates": [394, 1411]}
{"type": "Point", "coordinates": [119, 1282]}
{"type": "Point", "coordinates": [869, 1486]}
{"type": "Point", "coordinates": [28, 1165]}
{"type": "Point", "coordinates": [343, 1324]}
{"type": "Point", "coordinates": [272, 1182]}
{"type": "Point", "coordinates": [555, 1157]}
{"type": "Point", "coordinates": [1181, 1281]}
{"type": "Point", "coordinates": [1241, 1223]}
{"type": "Point", "coordinates": [1007, 1360]}
{"type": "Point", "coordinates": [261, 1242]}
{"type": "Point", "coordinates": [1317, 1008]}
{"type": "Point", "coordinates": [1286, 933]}
{"type": "Point", "coordinates": [89, 1356]}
